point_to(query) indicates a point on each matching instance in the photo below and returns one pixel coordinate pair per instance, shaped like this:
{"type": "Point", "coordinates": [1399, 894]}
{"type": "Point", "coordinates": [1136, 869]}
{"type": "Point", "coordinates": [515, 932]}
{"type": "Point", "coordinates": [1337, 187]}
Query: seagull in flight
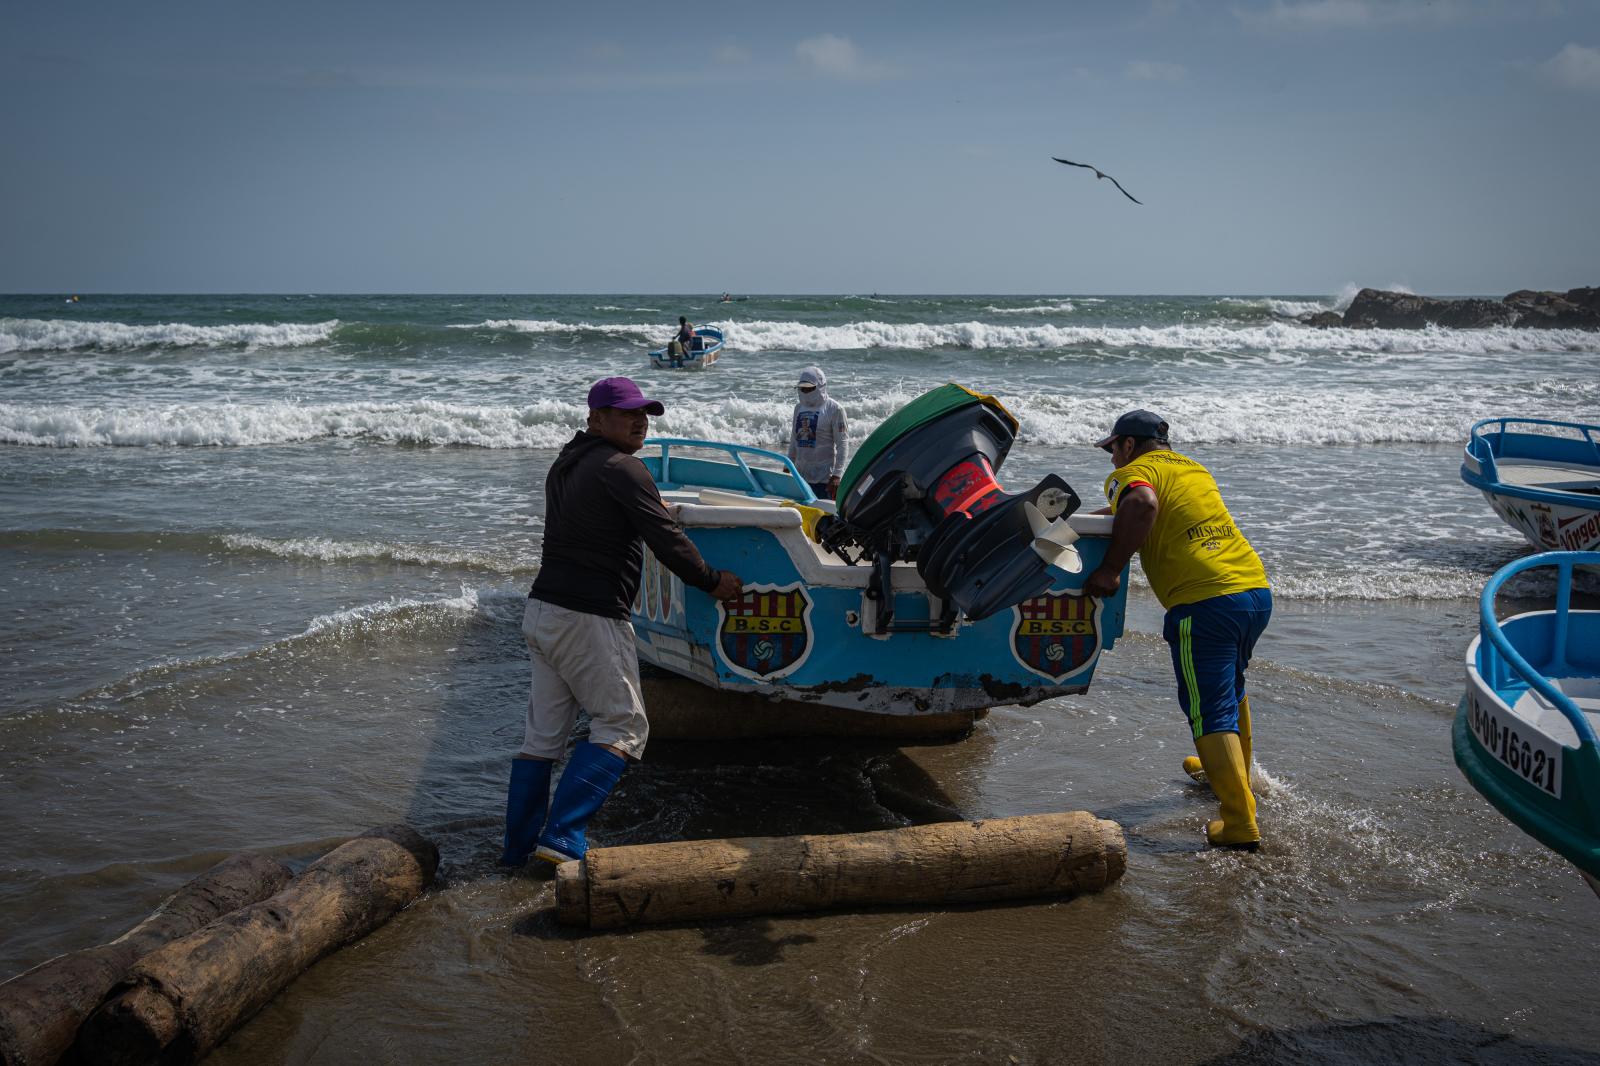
{"type": "Point", "coordinates": [1097, 174]}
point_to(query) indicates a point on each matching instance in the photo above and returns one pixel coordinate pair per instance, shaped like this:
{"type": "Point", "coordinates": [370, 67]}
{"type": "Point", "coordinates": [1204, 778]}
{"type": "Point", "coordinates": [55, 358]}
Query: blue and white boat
{"type": "Point", "coordinates": [926, 590]}
{"type": "Point", "coordinates": [1524, 734]}
{"type": "Point", "coordinates": [1541, 477]}
{"type": "Point", "coordinates": [704, 352]}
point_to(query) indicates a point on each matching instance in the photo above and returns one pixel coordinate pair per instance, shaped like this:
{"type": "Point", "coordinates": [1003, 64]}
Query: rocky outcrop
{"type": "Point", "coordinates": [1380, 309]}
{"type": "Point", "coordinates": [1376, 309]}
{"type": "Point", "coordinates": [1576, 309]}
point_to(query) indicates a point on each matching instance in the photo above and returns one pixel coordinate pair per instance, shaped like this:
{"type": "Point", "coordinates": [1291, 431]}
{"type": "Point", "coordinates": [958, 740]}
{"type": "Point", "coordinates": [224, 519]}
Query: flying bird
{"type": "Point", "coordinates": [1097, 174]}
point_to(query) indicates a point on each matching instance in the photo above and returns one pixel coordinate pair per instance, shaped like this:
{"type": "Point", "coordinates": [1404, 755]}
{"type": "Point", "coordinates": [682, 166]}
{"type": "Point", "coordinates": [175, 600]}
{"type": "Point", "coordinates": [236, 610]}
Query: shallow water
{"type": "Point", "coordinates": [262, 577]}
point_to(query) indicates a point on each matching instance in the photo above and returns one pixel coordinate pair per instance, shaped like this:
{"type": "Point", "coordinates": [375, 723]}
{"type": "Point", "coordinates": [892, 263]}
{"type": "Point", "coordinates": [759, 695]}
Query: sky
{"type": "Point", "coordinates": [1278, 146]}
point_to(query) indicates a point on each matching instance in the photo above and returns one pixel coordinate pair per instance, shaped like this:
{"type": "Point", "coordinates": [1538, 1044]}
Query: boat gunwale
{"type": "Point", "coordinates": [1490, 629]}
{"type": "Point", "coordinates": [1480, 468]}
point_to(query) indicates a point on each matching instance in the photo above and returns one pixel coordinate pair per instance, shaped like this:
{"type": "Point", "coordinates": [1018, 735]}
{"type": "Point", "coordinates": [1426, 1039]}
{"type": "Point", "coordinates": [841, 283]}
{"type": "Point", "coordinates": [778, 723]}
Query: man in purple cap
{"type": "Point", "coordinates": [601, 510]}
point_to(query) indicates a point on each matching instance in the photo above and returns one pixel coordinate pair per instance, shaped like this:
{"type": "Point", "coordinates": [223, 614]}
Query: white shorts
{"type": "Point", "coordinates": [581, 660]}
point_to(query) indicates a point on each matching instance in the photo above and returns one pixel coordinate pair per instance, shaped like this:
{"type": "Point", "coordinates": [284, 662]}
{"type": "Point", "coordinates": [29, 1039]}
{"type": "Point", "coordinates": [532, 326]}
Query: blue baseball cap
{"type": "Point", "coordinates": [1141, 423]}
{"type": "Point", "coordinates": [622, 393]}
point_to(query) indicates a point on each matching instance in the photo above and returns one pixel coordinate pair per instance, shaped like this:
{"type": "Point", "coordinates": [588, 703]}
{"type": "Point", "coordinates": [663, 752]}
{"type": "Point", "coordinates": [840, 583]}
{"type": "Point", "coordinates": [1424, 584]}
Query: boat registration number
{"type": "Point", "coordinates": [1526, 752]}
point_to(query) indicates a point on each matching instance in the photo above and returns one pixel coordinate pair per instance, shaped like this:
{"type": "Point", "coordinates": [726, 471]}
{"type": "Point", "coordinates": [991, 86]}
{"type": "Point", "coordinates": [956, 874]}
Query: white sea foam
{"type": "Point", "coordinates": [1274, 336]}
{"type": "Point", "coordinates": [1397, 582]}
{"type": "Point", "coordinates": [40, 335]}
{"type": "Point", "coordinates": [404, 615]}
{"type": "Point", "coordinates": [1063, 307]}
{"type": "Point", "coordinates": [326, 550]}
{"type": "Point", "coordinates": [546, 424]}
{"type": "Point", "coordinates": [1224, 411]}
{"type": "Point", "coordinates": [1284, 308]}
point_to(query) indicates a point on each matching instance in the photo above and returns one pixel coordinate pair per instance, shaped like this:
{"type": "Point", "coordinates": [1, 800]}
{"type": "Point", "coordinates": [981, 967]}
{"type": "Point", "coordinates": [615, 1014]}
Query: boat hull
{"type": "Point", "coordinates": [805, 630]}
{"type": "Point", "coordinates": [704, 359]}
{"type": "Point", "coordinates": [1524, 733]}
{"type": "Point", "coordinates": [1542, 478]}
{"type": "Point", "coordinates": [1548, 525]}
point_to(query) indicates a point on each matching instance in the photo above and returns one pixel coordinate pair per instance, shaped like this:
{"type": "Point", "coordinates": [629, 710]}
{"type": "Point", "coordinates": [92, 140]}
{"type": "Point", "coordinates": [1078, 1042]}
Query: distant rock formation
{"type": "Point", "coordinates": [1576, 309]}
{"type": "Point", "coordinates": [1379, 309]}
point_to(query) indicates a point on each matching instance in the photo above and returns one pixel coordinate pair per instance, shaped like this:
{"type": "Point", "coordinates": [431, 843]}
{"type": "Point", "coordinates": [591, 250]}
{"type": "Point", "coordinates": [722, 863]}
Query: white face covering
{"type": "Point", "coordinates": [812, 375]}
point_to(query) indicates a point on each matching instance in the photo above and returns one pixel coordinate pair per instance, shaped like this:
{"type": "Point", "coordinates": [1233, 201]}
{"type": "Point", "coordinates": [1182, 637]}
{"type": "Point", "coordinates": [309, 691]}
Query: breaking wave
{"type": "Point", "coordinates": [320, 549]}
{"type": "Point", "coordinates": [43, 335]}
{"type": "Point", "coordinates": [1222, 412]}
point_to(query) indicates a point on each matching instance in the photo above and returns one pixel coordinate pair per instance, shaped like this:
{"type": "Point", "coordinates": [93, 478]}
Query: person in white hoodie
{"type": "Point", "coordinates": [817, 434]}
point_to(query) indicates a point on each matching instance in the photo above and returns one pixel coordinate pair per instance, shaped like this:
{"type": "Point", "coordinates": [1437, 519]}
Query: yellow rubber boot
{"type": "Point", "coordinates": [1191, 763]}
{"type": "Point", "coordinates": [1222, 756]}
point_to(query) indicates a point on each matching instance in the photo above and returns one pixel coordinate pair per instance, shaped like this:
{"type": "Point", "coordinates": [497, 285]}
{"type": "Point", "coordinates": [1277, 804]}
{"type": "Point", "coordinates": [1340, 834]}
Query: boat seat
{"type": "Point", "coordinates": [1537, 712]}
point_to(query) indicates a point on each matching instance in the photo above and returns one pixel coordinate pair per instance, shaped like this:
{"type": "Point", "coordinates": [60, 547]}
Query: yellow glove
{"type": "Point", "coordinates": [809, 516]}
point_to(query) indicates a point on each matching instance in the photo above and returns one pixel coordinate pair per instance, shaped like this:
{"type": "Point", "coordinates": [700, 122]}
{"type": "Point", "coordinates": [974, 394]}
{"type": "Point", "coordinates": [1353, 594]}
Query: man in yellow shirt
{"type": "Point", "coordinates": [1215, 590]}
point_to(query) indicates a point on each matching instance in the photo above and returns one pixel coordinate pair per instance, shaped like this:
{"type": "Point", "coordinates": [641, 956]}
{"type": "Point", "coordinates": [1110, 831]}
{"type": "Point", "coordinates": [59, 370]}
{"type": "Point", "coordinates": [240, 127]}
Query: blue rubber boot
{"type": "Point", "coordinates": [591, 774]}
{"type": "Point", "coordinates": [526, 800]}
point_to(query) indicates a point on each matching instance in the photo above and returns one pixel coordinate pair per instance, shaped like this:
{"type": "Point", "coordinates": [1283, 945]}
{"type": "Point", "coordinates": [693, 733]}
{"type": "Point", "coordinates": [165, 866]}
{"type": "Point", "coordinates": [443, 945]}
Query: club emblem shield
{"type": "Point", "coordinates": [766, 633]}
{"type": "Point", "coordinates": [1056, 635]}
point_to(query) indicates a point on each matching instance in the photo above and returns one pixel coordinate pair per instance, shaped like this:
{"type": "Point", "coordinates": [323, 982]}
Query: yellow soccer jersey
{"type": "Point", "coordinates": [1194, 551]}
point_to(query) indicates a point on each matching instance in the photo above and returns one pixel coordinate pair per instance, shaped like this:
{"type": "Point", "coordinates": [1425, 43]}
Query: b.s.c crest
{"type": "Point", "coordinates": [766, 633]}
{"type": "Point", "coordinates": [1056, 635]}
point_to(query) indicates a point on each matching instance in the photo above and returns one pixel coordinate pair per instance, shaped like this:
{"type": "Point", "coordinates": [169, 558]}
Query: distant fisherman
{"type": "Point", "coordinates": [683, 342]}
{"type": "Point", "coordinates": [817, 434]}
{"type": "Point", "coordinates": [601, 510]}
{"type": "Point", "coordinates": [1215, 590]}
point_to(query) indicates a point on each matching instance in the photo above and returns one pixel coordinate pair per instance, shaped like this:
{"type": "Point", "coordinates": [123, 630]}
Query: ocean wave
{"type": "Point", "coordinates": [1281, 308]}
{"type": "Point", "coordinates": [45, 335]}
{"type": "Point", "coordinates": [320, 549]}
{"type": "Point", "coordinates": [547, 424]}
{"type": "Point", "coordinates": [1275, 336]}
{"type": "Point", "coordinates": [397, 618]}
{"type": "Point", "coordinates": [765, 335]}
{"type": "Point", "coordinates": [1064, 307]}
{"type": "Point", "coordinates": [649, 332]}
{"type": "Point", "coordinates": [1224, 412]}
{"type": "Point", "coordinates": [323, 549]}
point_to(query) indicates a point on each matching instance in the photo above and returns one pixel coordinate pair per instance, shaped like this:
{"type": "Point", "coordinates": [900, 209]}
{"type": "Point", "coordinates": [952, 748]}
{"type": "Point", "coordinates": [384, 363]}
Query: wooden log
{"type": "Point", "coordinates": [40, 1010]}
{"type": "Point", "coordinates": [681, 709]}
{"type": "Point", "coordinates": [951, 862]}
{"type": "Point", "coordinates": [183, 1000]}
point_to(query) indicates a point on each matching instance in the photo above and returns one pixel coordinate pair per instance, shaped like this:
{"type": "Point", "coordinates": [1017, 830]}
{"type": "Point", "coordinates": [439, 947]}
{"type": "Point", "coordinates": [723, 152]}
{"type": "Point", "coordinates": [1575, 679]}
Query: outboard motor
{"type": "Point", "coordinates": [922, 489]}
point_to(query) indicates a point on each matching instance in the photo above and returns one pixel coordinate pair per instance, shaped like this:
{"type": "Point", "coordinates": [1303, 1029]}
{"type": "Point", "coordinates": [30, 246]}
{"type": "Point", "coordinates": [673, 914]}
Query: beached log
{"type": "Point", "coordinates": [40, 1010]}
{"type": "Point", "coordinates": [180, 1002]}
{"type": "Point", "coordinates": [951, 862]}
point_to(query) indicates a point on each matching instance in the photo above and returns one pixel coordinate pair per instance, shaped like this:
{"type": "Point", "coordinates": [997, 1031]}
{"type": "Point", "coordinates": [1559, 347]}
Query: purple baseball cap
{"type": "Point", "coordinates": [623, 393]}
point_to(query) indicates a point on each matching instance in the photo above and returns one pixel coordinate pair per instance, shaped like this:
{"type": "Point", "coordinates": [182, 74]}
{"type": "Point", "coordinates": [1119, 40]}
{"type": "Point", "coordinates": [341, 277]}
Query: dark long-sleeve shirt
{"type": "Point", "coordinates": [601, 510]}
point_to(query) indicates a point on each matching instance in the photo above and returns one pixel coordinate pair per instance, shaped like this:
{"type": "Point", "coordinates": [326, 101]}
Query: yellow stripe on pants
{"type": "Point", "coordinates": [1186, 657]}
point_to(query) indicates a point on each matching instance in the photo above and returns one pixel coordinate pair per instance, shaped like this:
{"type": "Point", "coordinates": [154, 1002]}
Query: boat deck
{"type": "Point", "coordinates": [1551, 476]}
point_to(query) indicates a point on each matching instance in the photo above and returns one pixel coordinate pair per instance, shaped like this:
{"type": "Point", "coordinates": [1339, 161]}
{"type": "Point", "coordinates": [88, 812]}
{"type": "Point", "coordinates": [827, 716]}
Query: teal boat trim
{"type": "Point", "coordinates": [1520, 737]}
{"type": "Point", "coordinates": [676, 472]}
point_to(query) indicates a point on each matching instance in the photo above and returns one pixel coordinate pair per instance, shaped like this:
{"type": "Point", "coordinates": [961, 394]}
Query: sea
{"type": "Point", "coordinates": [263, 562]}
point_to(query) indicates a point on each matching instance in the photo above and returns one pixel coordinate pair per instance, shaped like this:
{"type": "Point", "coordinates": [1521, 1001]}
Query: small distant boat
{"type": "Point", "coordinates": [927, 589]}
{"type": "Point", "coordinates": [1524, 734]}
{"type": "Point", "coordinates": [1542, 478]}
{"type": "Point", "coordinates": [703, 352]}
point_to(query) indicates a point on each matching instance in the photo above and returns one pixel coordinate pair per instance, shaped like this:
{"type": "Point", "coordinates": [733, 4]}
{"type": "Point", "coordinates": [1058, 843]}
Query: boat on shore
{"type": "Point", "coordinates": [703, 352]}
{"type": "Point", "coordinates": [1542, 478]}
{"type": "Point", "coordinates": [1524, 733]}
{"type": "Point", "coordinates": [926, 590]}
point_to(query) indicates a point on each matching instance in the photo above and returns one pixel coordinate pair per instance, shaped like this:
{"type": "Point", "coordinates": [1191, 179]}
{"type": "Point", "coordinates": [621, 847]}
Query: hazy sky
{"type": "Point", "coordinates": [1279, 146]}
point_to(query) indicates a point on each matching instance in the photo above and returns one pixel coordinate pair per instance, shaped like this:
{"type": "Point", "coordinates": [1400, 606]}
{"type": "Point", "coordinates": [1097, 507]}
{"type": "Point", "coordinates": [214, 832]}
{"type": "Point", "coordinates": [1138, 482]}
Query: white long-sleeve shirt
{"type": "Point", "coordinates": [817, 441]}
